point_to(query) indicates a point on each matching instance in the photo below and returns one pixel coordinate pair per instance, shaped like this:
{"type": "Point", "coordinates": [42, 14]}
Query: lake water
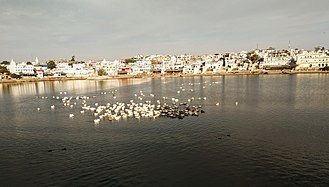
{"type": "Point", "coordinates": [270, 130]}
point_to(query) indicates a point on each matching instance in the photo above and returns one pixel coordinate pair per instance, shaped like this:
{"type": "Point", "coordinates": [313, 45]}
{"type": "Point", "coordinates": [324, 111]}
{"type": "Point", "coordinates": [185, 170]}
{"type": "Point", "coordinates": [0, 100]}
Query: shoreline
{"type": "Point", "coordinates": [154, 76]}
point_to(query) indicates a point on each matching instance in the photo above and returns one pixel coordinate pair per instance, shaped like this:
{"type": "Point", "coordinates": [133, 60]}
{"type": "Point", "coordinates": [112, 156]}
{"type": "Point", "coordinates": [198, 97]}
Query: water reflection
{"type": "Point", "coordinates": [72, 86]}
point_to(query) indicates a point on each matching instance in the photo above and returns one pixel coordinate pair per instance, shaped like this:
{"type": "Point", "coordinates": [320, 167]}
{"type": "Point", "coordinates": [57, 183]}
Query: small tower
{"type": "Point", "coordinates": [12, 66]}
{"type": "Point", "coordinates": [36, 60]}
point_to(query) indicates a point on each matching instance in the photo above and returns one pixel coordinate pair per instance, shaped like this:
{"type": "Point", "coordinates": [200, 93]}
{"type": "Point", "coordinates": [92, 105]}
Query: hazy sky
{"type": "Point", "coordinates": [111, 29]}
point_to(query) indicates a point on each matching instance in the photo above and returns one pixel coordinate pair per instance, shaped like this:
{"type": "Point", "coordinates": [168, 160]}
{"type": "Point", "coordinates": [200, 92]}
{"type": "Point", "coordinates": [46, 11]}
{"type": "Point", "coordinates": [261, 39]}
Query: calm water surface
{"type": "Point", "coordinates": [277, 134]}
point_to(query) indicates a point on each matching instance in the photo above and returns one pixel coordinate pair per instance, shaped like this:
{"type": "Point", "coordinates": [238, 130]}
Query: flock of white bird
{"type": "Point", "coordinates": [141, 106]}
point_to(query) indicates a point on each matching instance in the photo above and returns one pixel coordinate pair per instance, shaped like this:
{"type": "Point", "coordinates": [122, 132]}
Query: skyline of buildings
{"type": "Point", "coordinates": [33, 58]}
{"type": "Point", "coordinates": [187, 64]}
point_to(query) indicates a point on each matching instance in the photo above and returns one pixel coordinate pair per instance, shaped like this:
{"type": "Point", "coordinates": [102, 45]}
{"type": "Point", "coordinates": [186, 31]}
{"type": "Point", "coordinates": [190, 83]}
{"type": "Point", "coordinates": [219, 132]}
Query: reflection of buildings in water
{"type": "Point", "coordinates": [310, 90]}
{"type": "Point", "coordinates": [103, 84]}
{"type": "Point", "coordinates": [71, 86]}
{"type": "Point", "coordinates": [3, 89]}
{"type": "Point", "coordinates": [19, 89]}
{"type": "Point", "coordinates": [123, 82]}
{"type": "Point", "coordinates": [292, 81]}
{"type": "Point", "coordinates": [138, 81]}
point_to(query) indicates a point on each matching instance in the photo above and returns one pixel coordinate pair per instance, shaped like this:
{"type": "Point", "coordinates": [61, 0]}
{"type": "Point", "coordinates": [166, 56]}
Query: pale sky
{"type": "Point", "coordinates": [115, 29]}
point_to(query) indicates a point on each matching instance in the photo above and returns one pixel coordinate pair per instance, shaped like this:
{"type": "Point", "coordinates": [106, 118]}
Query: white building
{"type": "Point", "coordinates": [112, 68]}
{"type": "Point", "coordinates": [193, 68]}
{"type": "Point", "coordinates": [312, 60]}
{"type": "Point", "coordinates": [141, 67]}
{"type": "Point", "coordinates": [21, 68]}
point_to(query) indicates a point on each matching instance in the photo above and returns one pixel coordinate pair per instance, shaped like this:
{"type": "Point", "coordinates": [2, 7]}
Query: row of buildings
{"type": "Point", "coordinates": [184, 64]}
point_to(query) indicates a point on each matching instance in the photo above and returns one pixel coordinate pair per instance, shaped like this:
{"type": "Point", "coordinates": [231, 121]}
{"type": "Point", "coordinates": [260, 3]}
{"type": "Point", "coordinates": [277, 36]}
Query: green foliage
{"type": "Point", "coordinates": [5, 62]}
{"type": "Point", "coordinates": [15, 76]}
{"type": "Point", "coordinates": [101, 72]}
{"type": "Point", "coordinates": [4, 70]}
{"type": "Point", "coordinates": [28, 63]}
{"type": "Point", "coordinates": [319, 48]}
{"type": "Point", "coordinates": [51, 64]}
{"type": "Point", "coordinates": [253, 57]}
{"type": "Point", "coordinates": [129, 60]}
{"type": "Point", "coordinates": [73, 59]}
{"type": "Point", "coordinates": [292, 63]}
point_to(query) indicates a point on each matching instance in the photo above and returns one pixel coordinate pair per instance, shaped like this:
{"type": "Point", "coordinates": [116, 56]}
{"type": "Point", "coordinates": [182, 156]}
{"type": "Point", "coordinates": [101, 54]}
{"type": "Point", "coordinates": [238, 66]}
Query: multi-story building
{"type": "Point", "coordinates": [312, 60]}
{"type": "Point", "coordinates": [21, 68]}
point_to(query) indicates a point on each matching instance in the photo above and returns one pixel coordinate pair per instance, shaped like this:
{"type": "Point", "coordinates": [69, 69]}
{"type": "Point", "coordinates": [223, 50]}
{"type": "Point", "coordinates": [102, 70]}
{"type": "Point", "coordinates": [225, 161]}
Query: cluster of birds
{"type": "Point", "coordinates": [142, 106]}
{"type": "Point", "coordinates": [138, 109]}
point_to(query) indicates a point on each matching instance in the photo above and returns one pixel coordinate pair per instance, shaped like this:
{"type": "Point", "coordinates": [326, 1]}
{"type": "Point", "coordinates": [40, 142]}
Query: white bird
{"type": "Point", "coordinates": [217, 104]}
{"type": "Point", "coordinates": [96, 121]}
{"type": "Point", "coordinates": [71, 115]}
{"type": "Point", "coordinates": [52, 106]}
{"type": "Point", "coordinates": [38, 109]}
{"type": "Point", "coordinates": [236, 103]}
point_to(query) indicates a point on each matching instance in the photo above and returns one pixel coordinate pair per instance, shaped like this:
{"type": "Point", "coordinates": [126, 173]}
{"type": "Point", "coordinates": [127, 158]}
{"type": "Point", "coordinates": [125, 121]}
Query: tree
{"type": "Point", "coordinates": [28, 63]}
{"type": "Point", "coordinates": [4, 70]}
{"type": "Point", "coordinates": [129, 60]}
{"type": "Point", "coordinates": [73, 59]}
{"type": "Point", "coordinates": [15, 76]}
{"type": "Point", "coordinates": [319, 48]}
{"type": "Point", "coordinates": [5, 62]}
{"type": "Point", "coordinates": [101, 72]}
{"type": "Point", "coordinates": [292, 63]}
{"type": "Point", "coordinates": [51, 64]}
{"type": "Point", "coordinates": [253, 57]}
